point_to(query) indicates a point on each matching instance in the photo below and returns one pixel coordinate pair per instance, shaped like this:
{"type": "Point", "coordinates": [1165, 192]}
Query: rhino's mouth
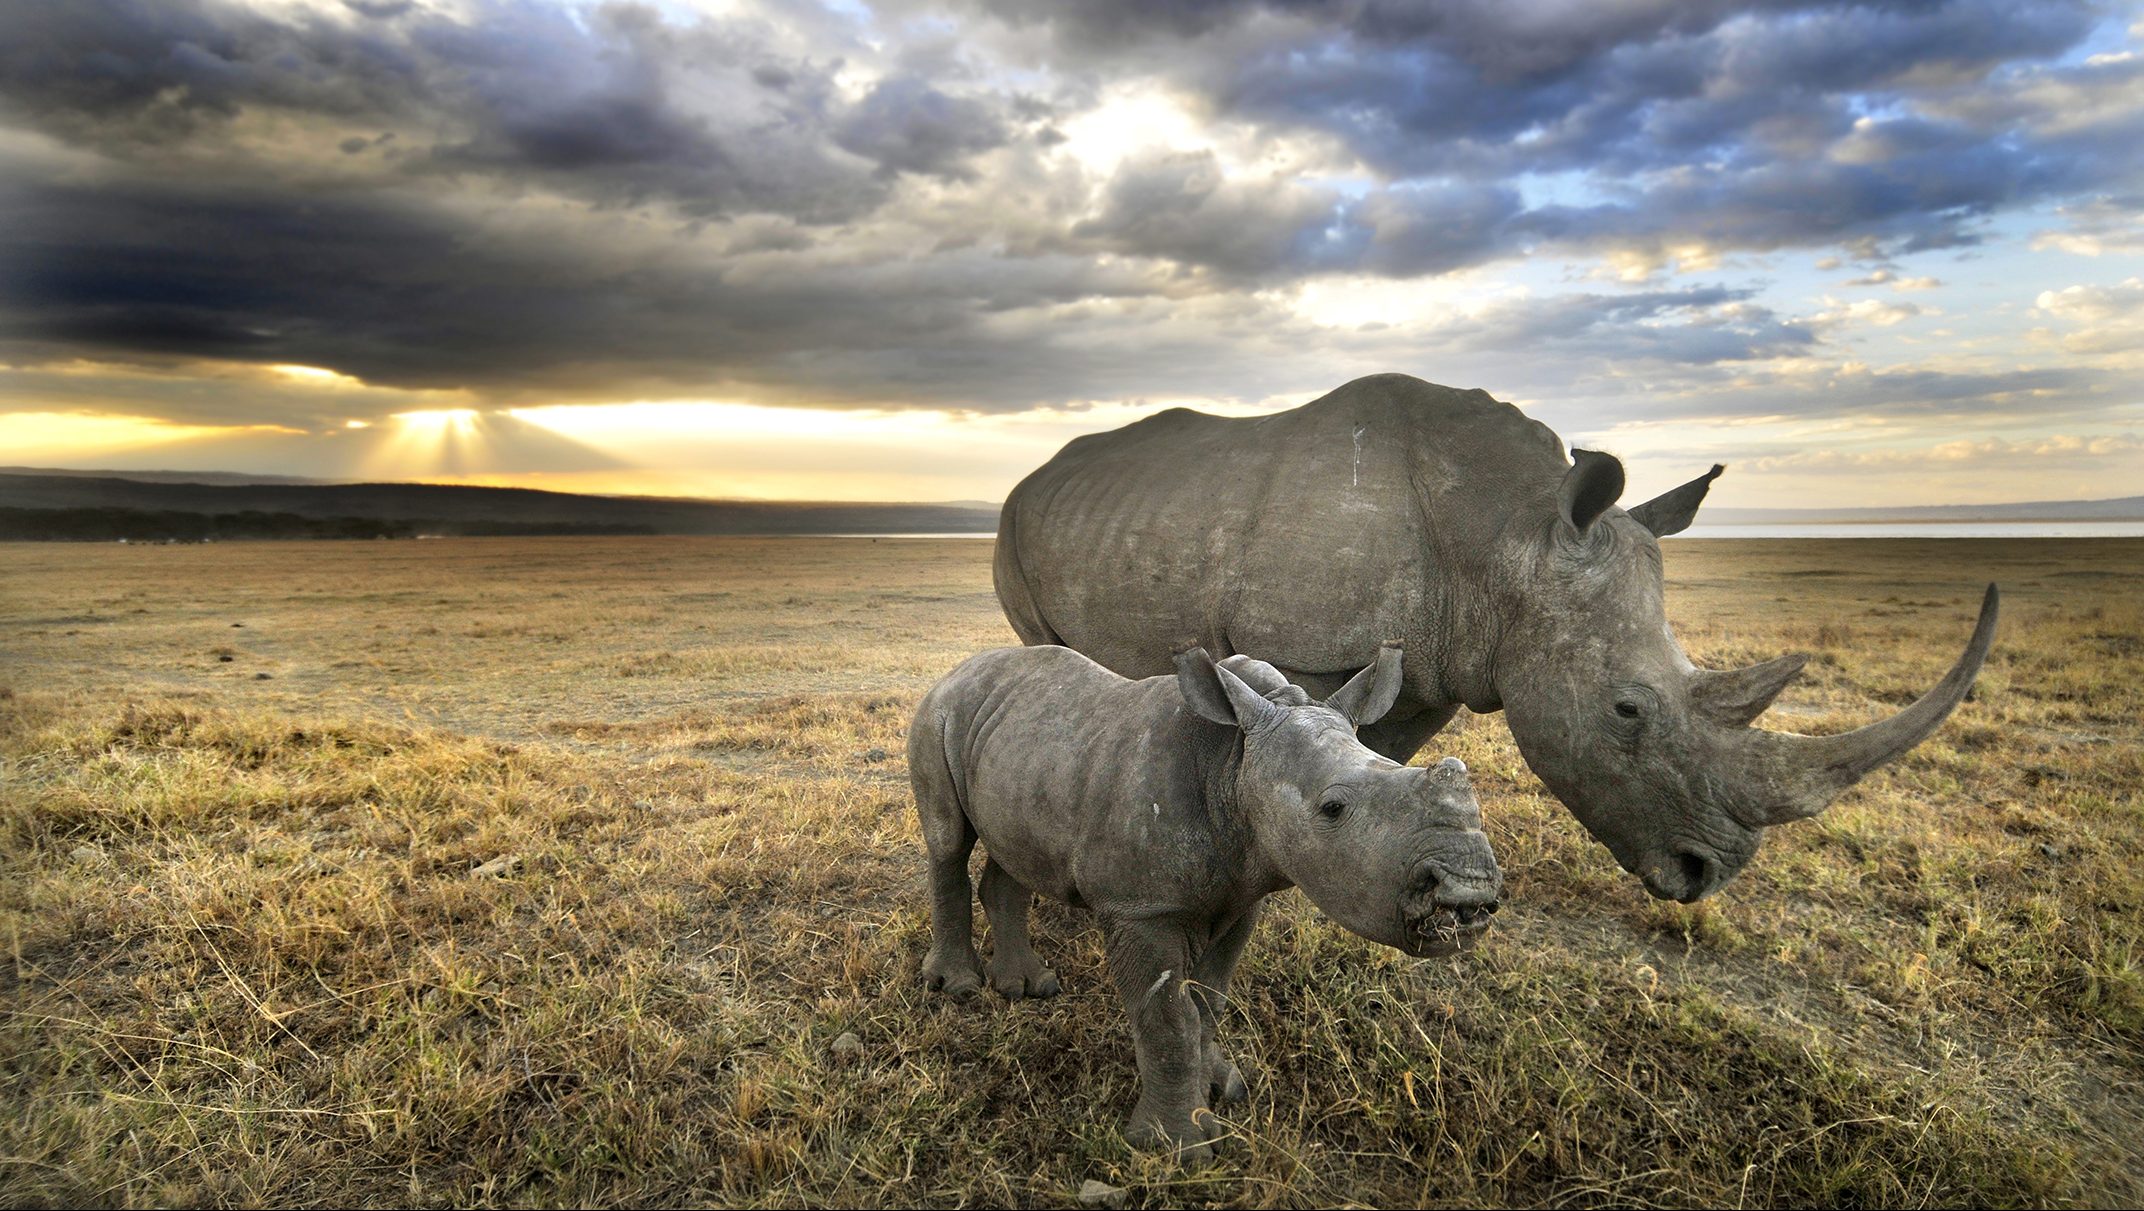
{"type": "Point", "coordinates": [1445, 931]}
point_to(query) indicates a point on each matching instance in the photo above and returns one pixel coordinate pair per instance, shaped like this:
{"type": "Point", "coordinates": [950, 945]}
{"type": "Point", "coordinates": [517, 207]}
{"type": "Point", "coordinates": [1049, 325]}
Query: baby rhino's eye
{"type": "Point", "coordinates": [1331, 809]}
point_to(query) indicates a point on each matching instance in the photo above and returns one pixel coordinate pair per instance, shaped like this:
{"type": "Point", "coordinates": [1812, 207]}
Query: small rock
{"type": "Point", "coordinates": [262, 676]}
{"type": "Point", "coordinates": [874, 755]}
{"type": "Point", "coordinates": [226, 659]}
{"type": "Point", "coordinates": [1101, 1194]}
{"type": "Point", "coordinates": [238, 624]}
{"type": "Point", "coordinates": [497, 868]}
{"type": "Point", "coordinates": [2050, 851]}
{"type": "Point", "coordinates": [86, 854]}
{"type": "Point", "coordinates": [847, 1049]}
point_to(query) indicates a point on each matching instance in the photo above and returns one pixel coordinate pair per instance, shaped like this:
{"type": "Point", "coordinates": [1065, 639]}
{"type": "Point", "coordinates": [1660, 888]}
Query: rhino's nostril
{"type": "Point", "coordinates": [1696, 870]}
{"type": "Point", "coordinates": [1426, 878]}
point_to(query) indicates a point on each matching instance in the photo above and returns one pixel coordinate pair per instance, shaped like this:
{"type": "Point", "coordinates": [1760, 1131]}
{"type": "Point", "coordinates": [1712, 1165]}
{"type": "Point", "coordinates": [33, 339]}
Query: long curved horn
{"type": "Point", "coordinates": [1807, 772]}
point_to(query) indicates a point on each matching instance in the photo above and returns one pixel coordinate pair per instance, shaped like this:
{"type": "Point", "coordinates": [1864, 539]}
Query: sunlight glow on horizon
{"type": "Point", "coordinates": [742, 451]}
{"type": "Point", "coordinates": [70, 436]}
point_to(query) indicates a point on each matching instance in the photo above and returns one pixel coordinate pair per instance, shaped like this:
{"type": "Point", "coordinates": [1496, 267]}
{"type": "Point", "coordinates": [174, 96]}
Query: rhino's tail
{"type": "Point", "coordinates": [1016, 593]}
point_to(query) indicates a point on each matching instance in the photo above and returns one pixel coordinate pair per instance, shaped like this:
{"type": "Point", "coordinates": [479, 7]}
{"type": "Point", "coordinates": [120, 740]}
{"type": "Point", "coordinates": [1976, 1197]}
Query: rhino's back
{"type": "Point", "coordinates": [1061, 764]}
{"type": "Point", "coordinates": [1302, 537]}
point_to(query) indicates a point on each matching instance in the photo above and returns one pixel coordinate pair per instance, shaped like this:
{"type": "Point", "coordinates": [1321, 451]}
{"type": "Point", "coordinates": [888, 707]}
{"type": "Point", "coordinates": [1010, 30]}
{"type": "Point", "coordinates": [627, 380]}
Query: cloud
{"type": "Point", "coordinates": [2098, 225]}
{"type": "Point", "coordinates": [1701, 325]}
{"type": "Point", "coordinates": [1181, 207]}
{"type": "Point", "coordinates": [2102, 319]}
{"type": "Point", "coordinates": [1888, 277]}
{"type": "Point", "coordinates": [716, 117]}
{"type": "Point", "coordinates": [1750, 126]}
{"type": "Point", "coordinates": [510, 202]}
{"type": "Point", "coordinates": [2061, 447]}
{"type": "Point", "coordinates": [1875, 313]}
{"type": "Point", "coordinates": [907, 126]}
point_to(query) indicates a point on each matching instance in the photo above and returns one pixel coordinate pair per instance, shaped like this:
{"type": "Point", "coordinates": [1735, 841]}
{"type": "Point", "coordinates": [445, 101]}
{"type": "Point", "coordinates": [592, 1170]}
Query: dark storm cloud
{"type": "Point", "coordinates": [1682, 109]}
{"type": "Point", "coordinates": [391, 291]}
{"type": "Point", "coordinates": [908, 126]}
{"type": "Point", "coordinates": [624, 107]}
{"type": "Point", "coordinates": [1181, 207]}
{"type": "Point", "coordinates": [808, 204]}
{"type": "Point", "coordinates": [1703, 325]}
{"type": "Point", "coordinates": [130, 75]}
{"type": "Point", "coordinates": [1930, 399]}
{"type": "Point", "coordinates": [617, 104]}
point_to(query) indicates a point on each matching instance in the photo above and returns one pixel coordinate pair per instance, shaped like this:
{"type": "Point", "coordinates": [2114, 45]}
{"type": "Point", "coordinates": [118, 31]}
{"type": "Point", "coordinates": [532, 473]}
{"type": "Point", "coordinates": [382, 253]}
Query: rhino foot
{"type": "Point", "coordinates": [955, 975]}
{"type": "Point", "coordinates": [1022, 976]}
{"type": "Point", "coordinates": [1195, 1138]}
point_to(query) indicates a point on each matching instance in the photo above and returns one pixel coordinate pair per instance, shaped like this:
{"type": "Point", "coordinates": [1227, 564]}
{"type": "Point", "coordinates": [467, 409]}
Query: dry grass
{"type": "Point", "coordinates": [249, 961]}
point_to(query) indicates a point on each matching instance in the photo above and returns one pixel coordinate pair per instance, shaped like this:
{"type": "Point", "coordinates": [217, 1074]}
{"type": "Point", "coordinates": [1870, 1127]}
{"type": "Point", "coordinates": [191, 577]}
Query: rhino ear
{"type": "Point", "coordinates": [1219, 695]}
{"type": "Point", "coordinates": [1198, 679]}
{"type": "Point", "coordinates": [1671, 511]}
{"type": "Point", "coordinates": [1369, 694]}
{"type": "Point", "coordinates": [1589, 488]}
{"type": "Point", "coordinates": [1254, 711]}
{"type": "Point", "coordinates": [1253, 672]}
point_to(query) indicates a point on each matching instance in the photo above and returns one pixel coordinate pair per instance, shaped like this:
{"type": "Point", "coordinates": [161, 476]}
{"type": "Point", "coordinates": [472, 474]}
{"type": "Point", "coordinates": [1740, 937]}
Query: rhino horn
{"type": "Point", "coordinates": [1671, 511]}
{"type": "Point", "coordinates": [1736, 696]}
{"type": "Point", "coordinates": [1804, 773]}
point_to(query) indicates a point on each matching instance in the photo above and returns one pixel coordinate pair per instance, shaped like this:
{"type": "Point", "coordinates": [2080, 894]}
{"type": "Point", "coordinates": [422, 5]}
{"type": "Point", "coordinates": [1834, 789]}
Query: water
{"type": "Point", "coordinates": [1852, 529]}
{"type": "Point", "coordinates": [1923, 529]}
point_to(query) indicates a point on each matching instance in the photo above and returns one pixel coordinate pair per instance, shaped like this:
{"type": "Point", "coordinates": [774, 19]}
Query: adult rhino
{"type": "Point", "coordinates": [1395, 507]}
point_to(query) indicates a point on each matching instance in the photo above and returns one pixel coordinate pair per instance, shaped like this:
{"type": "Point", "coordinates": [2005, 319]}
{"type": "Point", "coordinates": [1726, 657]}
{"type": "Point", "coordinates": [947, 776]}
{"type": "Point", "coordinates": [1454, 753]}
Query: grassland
{"type": "Point", "coordinates": [547, 871]}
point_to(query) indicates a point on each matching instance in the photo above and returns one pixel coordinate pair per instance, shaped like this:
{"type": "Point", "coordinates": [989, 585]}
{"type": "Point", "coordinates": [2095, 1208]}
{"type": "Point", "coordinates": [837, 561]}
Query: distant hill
{"type": "Point", "coordinates": [448, 509]}
{"type": "Point", "coordinates": [171, 477]}
{"type": "Point", "coordinates": [32, 496]}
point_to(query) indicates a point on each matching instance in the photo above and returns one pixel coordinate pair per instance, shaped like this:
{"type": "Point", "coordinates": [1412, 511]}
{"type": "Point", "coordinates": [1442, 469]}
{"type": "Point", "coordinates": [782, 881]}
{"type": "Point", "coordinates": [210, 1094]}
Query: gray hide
{"type": "Point", "coordinates": [1171, 807]}
{"type": "Point", "coordinates": [1395, 507]}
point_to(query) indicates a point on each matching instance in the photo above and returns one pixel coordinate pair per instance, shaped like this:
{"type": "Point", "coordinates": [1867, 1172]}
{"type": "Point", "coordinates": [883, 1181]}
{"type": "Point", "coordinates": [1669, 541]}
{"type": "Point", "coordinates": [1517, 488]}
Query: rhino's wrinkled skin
{"type": "Point", "coordinates": [1397, 507]}
{"type": "Point", "coordinates": [1171, 807]}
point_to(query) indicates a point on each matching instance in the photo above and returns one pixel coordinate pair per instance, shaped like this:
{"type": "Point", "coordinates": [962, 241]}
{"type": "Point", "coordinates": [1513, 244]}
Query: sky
{"type": "Point", "coordinates": [1885, 253]}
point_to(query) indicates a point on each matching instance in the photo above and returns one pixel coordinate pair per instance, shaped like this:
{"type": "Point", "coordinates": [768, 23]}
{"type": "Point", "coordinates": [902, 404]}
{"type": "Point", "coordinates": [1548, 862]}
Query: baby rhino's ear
{"type": "Point", "coordinates": [1217, 694]}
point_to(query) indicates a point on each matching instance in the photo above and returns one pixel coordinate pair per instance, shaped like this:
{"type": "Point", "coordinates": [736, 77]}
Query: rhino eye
{"type": "Point", "coordinates": [1628, 710]}
{"type": "Point", "coordinates": [1331, 809]}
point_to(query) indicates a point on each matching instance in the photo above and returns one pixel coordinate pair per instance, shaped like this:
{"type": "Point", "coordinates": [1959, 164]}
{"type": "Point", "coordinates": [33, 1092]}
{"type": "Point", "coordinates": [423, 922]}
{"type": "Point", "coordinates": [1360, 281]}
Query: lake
{"type": "Point", "coordinates": [1854, 529]}
{"type": "Point", "coordinates": [1923, 529]}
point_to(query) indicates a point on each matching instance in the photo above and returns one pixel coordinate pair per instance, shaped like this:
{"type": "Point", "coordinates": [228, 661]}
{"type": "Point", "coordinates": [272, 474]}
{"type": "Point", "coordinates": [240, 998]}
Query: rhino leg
{"type": "Point", "coordinates": [1210, 976]}
{"type": "Point", "coordinates": [952, 966]}
{"type": "Point", "coordinates": [1400, 735]}
{"type": "Point", "coordinates": [1014, 968]}
{"type": "Point", "coordinates": [1149, 961]}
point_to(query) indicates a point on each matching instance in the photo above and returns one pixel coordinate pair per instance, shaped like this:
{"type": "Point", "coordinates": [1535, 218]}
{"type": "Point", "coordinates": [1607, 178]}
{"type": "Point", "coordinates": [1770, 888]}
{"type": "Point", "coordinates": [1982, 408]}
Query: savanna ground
{"type": "Point", "coordinates": [547, 871]}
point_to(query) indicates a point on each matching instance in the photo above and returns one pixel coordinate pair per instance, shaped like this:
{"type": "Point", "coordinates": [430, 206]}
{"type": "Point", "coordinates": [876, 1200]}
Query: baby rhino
{"type": "Point", "coordinates": [1171, 807]}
